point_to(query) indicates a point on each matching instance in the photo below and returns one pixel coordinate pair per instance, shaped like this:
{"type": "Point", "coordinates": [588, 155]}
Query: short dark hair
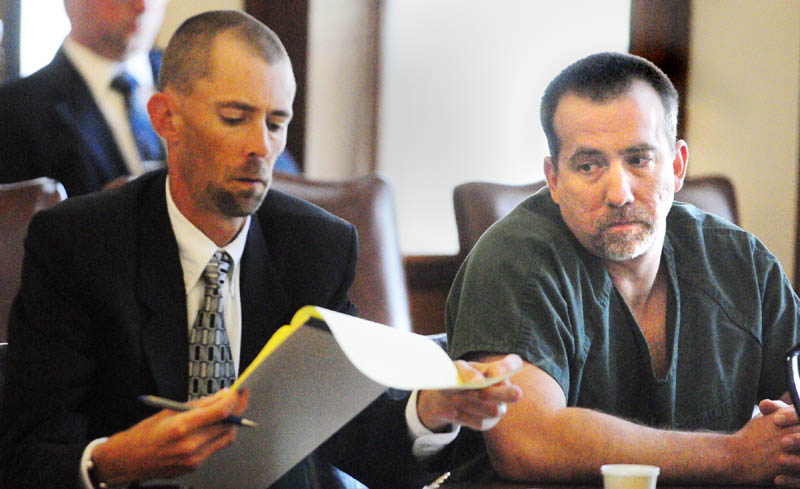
{"type": "Point", "coordinates": [603, 77]}
{"type": "Point", "coordinates": [188, 55]}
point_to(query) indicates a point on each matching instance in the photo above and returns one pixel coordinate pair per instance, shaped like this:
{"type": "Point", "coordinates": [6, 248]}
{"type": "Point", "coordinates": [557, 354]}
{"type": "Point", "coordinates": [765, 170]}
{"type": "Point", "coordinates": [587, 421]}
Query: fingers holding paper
{"type": "Point", "coordinates": [478, 409]}
{"type": "Point", "coordinates": [169, 443]}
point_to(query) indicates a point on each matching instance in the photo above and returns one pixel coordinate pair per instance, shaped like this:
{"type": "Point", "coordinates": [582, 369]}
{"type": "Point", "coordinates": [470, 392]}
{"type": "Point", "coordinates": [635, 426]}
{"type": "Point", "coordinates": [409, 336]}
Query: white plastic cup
{"type": "Point", "coordinates": [629, 476]}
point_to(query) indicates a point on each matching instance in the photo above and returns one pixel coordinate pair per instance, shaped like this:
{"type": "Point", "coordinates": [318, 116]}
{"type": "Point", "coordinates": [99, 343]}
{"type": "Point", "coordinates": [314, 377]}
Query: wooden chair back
{"type": "Point", "coordinates": [18, 203]}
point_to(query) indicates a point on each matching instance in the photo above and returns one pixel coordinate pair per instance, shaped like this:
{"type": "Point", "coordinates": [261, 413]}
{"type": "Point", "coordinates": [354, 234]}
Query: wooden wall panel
{"type": "Point", "coordinates": [289, 19]}
{"type": "Point", "coordinates": [659, 31]}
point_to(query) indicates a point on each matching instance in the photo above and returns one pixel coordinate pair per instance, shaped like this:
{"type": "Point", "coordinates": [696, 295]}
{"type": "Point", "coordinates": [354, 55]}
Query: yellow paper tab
{"type": "Point", "coordinates": [300, 318]}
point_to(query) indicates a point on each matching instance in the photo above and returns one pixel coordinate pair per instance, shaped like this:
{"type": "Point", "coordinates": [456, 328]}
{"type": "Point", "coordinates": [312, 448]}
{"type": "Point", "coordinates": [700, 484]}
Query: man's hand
{"type": "Point", "coordinates": [169, 443]}
{"type": "Point", "coordinates": [479, 409]}
{"type": "Point", "coordinates": [785, 416]}
{"type": "Point", "coordinates": [769, 445]}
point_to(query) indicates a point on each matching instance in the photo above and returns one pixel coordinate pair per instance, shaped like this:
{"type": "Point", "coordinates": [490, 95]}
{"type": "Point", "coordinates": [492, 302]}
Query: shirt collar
{"type": "Point", "coordinates": [195, 248]}
{"type": "Point", "coordinates": [98, 71]}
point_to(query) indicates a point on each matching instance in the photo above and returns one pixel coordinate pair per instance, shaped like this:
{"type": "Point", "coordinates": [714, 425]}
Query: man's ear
{"type": "Point", "coordinates": [551, 175]}
{"type": "Point", "coordinates": [680, 163]}
{"type": "Point", "coordinates": [163, 115]}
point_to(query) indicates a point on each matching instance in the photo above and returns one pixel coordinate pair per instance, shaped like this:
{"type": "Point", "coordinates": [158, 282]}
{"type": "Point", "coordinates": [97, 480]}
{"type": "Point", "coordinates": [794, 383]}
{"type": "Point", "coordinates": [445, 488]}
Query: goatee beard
{"type": "Point", "coordinates": [622, 246]}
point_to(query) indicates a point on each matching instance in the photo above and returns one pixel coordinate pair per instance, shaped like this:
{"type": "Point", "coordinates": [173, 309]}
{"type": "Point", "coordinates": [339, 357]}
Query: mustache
{"type": "Point", "coordinates": [625, 215]}
{"type": "Point", "coordinates": [255, 168]}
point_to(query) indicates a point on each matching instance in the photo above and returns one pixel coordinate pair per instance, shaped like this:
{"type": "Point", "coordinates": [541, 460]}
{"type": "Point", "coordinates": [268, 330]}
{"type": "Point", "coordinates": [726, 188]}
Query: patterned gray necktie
{"type": "Point", "coordinates": [210, 361]}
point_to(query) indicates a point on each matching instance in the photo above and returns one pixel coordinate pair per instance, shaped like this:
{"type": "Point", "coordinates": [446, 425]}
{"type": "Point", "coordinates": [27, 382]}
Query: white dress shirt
{"type": "Point", "coordinates": [195, 250]}
{"type": "Point", "coordinates": [98, 72]}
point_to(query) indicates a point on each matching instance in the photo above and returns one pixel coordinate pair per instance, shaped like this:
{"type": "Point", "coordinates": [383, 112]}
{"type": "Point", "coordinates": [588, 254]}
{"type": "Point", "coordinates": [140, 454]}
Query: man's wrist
{"type": "Point", "coordinates": [426, 443]}
{"type": "Point", "coordinates": [88, 468]}
{"type": "Point", "coordinates": [416, 427]}
{"type": "Point", "coordinates": [728, 461]}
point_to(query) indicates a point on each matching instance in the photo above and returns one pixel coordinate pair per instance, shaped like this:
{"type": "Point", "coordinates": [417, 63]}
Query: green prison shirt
{"type": "Point", "coordinates": [530, 288]}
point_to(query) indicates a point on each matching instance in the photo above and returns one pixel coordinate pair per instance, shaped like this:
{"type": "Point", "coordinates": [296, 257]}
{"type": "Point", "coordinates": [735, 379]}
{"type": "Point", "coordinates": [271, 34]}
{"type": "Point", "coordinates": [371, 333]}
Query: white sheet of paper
{"type": "Point", "coordinates": [393, 357]}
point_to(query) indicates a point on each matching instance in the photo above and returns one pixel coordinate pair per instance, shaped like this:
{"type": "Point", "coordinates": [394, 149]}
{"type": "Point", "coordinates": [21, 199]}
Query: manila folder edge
{"type": "Point", "coordinates": [300, 394]}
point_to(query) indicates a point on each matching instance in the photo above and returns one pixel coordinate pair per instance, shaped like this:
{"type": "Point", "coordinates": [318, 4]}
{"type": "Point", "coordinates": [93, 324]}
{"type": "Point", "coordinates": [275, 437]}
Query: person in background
{"type": "Point", "coordinates": [69, 120]}
{"type": "Point", "coordinates": [82, 119]}
{"type": "Point", "coordinates": [99, 322]}
{"type": "Point", "coordinates": [648, 329]}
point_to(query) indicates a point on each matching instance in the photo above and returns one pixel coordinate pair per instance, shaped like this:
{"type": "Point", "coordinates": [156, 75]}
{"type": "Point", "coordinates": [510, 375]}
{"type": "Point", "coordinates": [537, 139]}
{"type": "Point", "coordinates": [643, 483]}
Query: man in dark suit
{"type": "Point", "coordinates": [67, 121]}
{"type": "Point", "coordinates": [111, 283]}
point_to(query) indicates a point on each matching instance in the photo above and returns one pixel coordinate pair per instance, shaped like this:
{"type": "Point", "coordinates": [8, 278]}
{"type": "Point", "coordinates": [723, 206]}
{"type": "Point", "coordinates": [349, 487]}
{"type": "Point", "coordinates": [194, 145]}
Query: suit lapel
{"type": "Point", "coordinates": [162, 296]}
{"type": "Point", "coordinates": [265, 304]}
{"type": "Point", "coordinates": [76, 110]}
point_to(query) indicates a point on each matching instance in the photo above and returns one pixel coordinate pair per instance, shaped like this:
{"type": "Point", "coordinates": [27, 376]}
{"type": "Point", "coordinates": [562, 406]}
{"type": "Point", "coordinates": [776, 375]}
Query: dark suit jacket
{"type": "Point", "coordinates": [101, 319]}
{"type": "Point", "coordinates": [51, 126]}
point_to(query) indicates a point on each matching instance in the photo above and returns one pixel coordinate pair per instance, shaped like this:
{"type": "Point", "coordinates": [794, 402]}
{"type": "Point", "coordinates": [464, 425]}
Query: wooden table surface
{"type": "Point", "coordinates": [532, 485]}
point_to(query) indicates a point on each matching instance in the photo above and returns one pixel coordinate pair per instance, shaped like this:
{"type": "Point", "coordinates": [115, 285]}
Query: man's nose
{"type": "Point", "coordinates": [138, 6]}
{"type": "Point", "coordinates": [258, 142]}
{"type": "Point", "coordinates": [617, 183]}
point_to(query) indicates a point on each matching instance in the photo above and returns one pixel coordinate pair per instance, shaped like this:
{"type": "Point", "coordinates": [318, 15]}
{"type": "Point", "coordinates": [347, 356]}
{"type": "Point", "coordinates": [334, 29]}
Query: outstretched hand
{"type": "Point", "coordinates": [479, 409]}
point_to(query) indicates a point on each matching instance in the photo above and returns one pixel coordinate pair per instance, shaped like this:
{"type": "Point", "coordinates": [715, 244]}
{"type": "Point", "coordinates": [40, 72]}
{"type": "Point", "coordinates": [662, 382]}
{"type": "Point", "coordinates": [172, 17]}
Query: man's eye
{"type": "Point", "coordinates": [232, 117]}
{"type": "Point", "coordinates": [641, 160]}
{"type": "Point", "coordinates": [585, 167]}
{"type": "Point", "coordinates": [275, 126]}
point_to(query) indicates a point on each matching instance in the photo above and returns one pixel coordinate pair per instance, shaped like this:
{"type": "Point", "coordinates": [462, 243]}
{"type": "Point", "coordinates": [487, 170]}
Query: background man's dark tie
{"type": "Point", "coordinates": [147, 141]}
